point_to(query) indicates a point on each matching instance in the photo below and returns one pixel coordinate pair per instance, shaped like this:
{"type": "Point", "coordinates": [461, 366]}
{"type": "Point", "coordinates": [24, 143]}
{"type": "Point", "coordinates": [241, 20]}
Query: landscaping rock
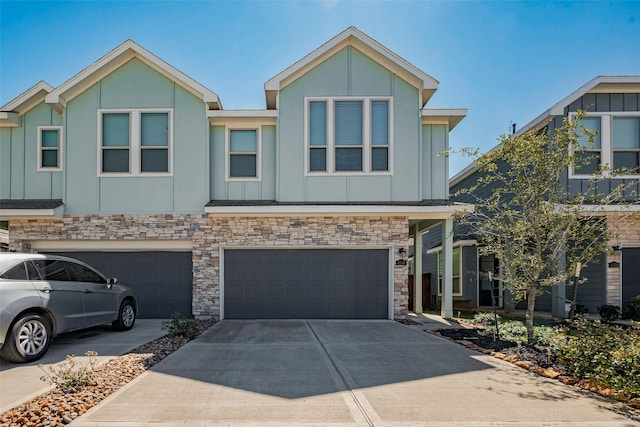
{"type": "Point", "coordinates": [57, 408]}
{"type": "Point", "coordinates": [524, 364]}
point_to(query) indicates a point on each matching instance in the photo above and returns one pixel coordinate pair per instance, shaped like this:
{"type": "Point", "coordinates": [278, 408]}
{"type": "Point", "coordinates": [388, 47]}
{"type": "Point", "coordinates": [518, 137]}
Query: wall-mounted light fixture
{"type": "Point", "coordinates": [616, 248]}
{"type": "Point", "coordinates": [402, 251]}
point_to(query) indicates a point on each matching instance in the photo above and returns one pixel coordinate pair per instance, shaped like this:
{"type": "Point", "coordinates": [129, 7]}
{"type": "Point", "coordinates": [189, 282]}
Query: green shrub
{"type": "Point", "coordinates": [181, 325]}
{"type": "Point", "coordinates": [608, 312]}
{"type": "Point", "coordinates": [485, 319]}
{"type": "Point", "coordinates": [544, 335]}
{"type": "Point", "coordinates": [71, 374]}
{"type": "Point", "coordinates": [607, 354]}
{"type": "Point", "coordinates": [632, 309]}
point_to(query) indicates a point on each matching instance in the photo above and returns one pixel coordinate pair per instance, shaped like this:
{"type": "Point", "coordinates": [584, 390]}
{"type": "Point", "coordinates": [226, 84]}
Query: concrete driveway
{"type": "Point", "coordinates": [342, 373]}
{"type": "Point", "coordinates": [21, 382]}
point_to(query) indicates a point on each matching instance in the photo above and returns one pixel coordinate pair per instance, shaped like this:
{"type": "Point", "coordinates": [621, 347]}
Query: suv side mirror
{"type": "Point", "coordinates": [112, 281]}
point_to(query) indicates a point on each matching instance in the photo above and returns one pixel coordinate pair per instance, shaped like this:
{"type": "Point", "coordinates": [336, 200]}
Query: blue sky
{"type": "Point", "coordinates": [505, 61]}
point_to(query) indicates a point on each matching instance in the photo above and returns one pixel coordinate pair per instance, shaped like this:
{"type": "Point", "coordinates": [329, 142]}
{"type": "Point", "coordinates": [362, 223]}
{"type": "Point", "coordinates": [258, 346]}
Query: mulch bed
{"type": "Point", "coordinates": [57, 408]}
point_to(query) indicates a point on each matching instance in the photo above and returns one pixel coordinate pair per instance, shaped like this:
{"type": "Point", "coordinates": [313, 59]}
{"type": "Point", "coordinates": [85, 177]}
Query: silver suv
{"type": "Point", "coordinates": [42, 296]}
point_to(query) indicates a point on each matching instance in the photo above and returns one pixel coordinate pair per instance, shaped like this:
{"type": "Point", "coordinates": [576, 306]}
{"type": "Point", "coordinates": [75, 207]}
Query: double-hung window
{"type": "Point", "coordinates": [135, 142]}
{"type": "Point", "coordinates": [348, 135]}
{"type": "Point", "coordinates": [457, 267]}
{"type": "Point", "coordinates": [49, 148]}
{"type": "Point", "coordinates": [615, 147]}
{"type": "Point", "coordinates": [626, 145]}
{"type": "Point", "coordinates": [243, 154]}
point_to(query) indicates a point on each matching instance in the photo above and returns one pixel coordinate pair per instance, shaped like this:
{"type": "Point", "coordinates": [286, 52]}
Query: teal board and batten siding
{"type": "Point", "coordinates": [351, 73]}
{"type": "Point", "coordinates": [221, 189]}
{"type": "Point", "coordinates": [135, 85]}
{"type": "Point", "coordinates": [19, 175]}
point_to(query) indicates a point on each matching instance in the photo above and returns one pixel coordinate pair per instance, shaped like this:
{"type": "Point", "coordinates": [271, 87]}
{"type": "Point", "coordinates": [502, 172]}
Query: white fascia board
{"type": "Point", "coordinates": [413, 212]}
{"type": "Point", "coordinates": [429, 84]}
{"type": "Point", "coordinates": [113, 245]}
{"type": "Point", "coordinates": [258, 117]}
{"type": "Point", "coordinates": [32, 213]}
{"type": "Point", "coordinates": [457, 244]}
{"type": "Point", "coordinates": [450, 115]}
{"type": "Point", "coordinates": [9, 119]}
{"type": "Point", "coordinates": [119, 56]}
{"type": "Point", "coordinates": [28, 99]}
{"type": "Point", "coordinates": [597, 84]}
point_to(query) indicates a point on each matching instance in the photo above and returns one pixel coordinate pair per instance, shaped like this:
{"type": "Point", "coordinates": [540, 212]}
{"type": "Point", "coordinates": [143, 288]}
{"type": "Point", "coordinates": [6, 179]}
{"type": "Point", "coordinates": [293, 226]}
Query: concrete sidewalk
{"type": "Point", "coordinates": [343, 373]}
{"type": "Point", "coordinates": [21, 382]}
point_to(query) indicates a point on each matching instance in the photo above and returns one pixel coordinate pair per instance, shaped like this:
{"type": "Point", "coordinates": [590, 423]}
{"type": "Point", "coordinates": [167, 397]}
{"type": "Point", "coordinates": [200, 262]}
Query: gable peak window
{"type": "Point", "coordinates": [49, 148]}
{"type": "Point", "coordinates": [135, 142]}
{"type": "Point", "coordinates": [348, 135]}
{"type": "Point", "coordinates": [615, 147]}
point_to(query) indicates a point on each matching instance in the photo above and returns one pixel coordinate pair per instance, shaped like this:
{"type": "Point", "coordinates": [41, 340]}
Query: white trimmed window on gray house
{"type": "Point", "coordinates": [457, 267]}
{"type": "Point", "coordinates": [135, 142]}
{"type": "Point", "coordinates": [49, 148]}
{"type": "Point", "coordinates": [615, 147]}
{"type": "Point", "coordinates": [346, 135]}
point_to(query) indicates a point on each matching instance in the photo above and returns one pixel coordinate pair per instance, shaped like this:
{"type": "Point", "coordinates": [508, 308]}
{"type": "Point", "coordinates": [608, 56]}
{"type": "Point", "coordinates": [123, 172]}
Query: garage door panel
{"type": "Point", "coordinates": [163, 281]}
{"type": "Point", "coordinates": [309, 283]}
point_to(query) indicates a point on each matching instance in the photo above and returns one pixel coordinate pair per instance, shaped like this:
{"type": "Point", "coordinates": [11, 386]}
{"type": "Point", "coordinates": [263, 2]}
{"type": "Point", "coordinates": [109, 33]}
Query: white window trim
{"type": "Point", "coordinates": [606, 142]}
{"type": "Point", "coordinates": [460, 275]}
{"type": "Point", "coordinates": [40, 168]}
{"type": "Point", "coordinates": [227, 153]}
{"type": "Point", "coordinates": [135, 143]}
{"type": "Point", "coordinates": [366, 136]}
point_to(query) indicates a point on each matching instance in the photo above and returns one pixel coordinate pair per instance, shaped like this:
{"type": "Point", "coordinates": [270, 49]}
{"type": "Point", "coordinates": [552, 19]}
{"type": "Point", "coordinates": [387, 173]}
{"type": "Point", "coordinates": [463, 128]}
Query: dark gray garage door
{"type": "Point", "coordinates": [630, 273]}
{"type": "Point", "coordinates": [163, 280]}
{"type": "Point", "coordinates": [306, 283]}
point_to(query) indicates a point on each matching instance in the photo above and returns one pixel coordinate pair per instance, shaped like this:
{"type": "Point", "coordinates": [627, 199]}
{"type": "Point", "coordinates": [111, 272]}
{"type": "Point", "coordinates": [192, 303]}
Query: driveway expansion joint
{"type": "Point", "coordinates": [342, 378]}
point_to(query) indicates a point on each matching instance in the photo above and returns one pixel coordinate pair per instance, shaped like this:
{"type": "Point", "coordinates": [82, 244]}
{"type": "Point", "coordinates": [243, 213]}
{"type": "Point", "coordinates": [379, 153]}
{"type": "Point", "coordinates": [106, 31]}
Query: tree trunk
{"type": "Point", "coordinates": [531, 303]}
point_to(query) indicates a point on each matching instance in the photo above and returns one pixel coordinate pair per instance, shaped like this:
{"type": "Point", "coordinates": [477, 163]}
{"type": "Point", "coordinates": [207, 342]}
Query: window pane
{"type": "Point", "coordinates": [49, 159]}
{"type": "Point", "coordinates": [242, 141]}
{"type": "Point", "coordinates": [380, 123]}
{"type": "Point", "coordinates": [456, 261]}
{"type": "Point", "coordinates": [587, 162]}
{"type": "Point", "coordinates": [380, 159]}
{"type": "Point", "coordinates": [318, 123]}
{"type": "Point", "coordinates": [348, 123]}
{"type": "Point", "coordinates": [318, 160]}
{"type": "Point", "coordinates": [50, 138]}
{"type": "Point", "coordinates": [32, 271]}
{"type": "Point", "coordinates": [242, 166]}
{"type": "Point", "coordinates": [115, 160]}
{"type": "Point", "coordinates": [348, 159]}
{"type": "Point", "coordinates": [154, 160]}
{"type": "Point", "coordinates": [154, 129]}
{"type": "Point", "coordinates": [590, 123]}
{"type": "Point", "coordinates": [626, 161]}
{"type": "Point", "coordinates": [52, 270]}
{"type": "Point", "coordinates": [625, 132]}
{"type": "Point", "coordinates": [115, 130]}
{"type": "Point", "coordinates": [80, 273]}
{"type": "Point", "coordinates": [456, 285]}
{"type": "Point", "coordinates": [16, 273]}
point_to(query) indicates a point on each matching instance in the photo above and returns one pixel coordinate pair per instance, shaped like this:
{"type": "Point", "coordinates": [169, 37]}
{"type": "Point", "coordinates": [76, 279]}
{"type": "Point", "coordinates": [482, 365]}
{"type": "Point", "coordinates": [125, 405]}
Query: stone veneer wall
{"type": "Point", "coordinates": [209, 233]}
{"type": "Point", "coordinates": [626, 233]}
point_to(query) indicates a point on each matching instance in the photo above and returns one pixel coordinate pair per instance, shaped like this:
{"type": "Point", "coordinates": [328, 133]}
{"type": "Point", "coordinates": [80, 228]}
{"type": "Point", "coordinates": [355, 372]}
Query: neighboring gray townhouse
{"type": "Point", "coordinates": [612, 106]}
{"type": "Point", "coordinates": [305, 209]}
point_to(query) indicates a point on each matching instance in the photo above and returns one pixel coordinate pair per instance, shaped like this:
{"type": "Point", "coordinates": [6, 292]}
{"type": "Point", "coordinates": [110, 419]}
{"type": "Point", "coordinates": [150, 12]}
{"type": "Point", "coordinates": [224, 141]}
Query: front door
{"type": "Point", "coordinates": [488, 284]}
